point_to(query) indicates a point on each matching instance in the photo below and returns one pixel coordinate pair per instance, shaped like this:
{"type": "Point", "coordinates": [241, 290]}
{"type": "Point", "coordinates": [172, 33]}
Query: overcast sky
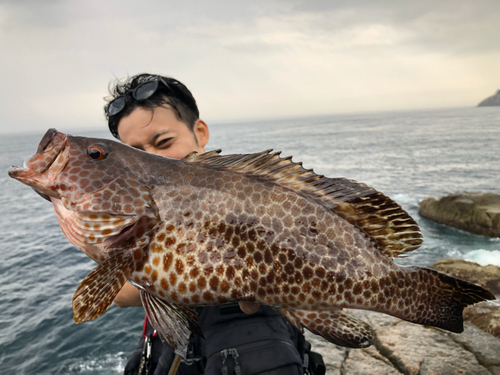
{"type": "Point", "coordinates": [245, 59]}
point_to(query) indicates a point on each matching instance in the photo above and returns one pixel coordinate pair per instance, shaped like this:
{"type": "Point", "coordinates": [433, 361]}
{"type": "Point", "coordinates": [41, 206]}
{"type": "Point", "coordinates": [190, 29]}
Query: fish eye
{"type": "Point", "coordinates": [97, 152]}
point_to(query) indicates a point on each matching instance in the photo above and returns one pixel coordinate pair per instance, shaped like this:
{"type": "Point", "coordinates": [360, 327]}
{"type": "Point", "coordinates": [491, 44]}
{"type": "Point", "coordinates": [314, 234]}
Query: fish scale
{"type": "Point", "coordinates": [211, 229]}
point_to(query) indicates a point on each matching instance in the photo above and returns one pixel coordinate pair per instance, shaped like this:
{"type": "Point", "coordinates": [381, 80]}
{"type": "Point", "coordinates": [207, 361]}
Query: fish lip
{"type": "Point", "coordinates": [64, 143]}
{"type": "Point", "coordinates": [50, 147]}
{"type": "Point", "coordinates": [15, 171]}
{"type": "Point", "coordinates": [47, 138]}
{"type": "Point", "coordinates": [38, 180]}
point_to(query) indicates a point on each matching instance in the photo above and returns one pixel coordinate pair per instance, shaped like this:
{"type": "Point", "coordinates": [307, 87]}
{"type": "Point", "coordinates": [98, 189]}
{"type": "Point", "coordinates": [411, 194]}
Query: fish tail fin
{"type": "Point", "coordinates": [439, 299]}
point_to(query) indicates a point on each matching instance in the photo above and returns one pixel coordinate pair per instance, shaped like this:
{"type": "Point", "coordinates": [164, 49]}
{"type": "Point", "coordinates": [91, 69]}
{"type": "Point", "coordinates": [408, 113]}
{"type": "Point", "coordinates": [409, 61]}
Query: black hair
{"type": "Point", "coordinates": [184, 111]}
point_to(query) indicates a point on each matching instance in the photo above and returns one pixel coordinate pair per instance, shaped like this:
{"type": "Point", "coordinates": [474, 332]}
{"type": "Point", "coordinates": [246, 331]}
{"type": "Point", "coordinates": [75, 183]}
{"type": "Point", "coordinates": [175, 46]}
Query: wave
{"type": "Point", "coordinates": [483, 257]}
{"type": "Point", "coordinates": [103, 364]}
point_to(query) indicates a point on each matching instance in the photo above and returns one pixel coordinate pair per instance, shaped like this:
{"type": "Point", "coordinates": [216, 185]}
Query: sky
{"type": "Point", "coordinates": [245, 60]}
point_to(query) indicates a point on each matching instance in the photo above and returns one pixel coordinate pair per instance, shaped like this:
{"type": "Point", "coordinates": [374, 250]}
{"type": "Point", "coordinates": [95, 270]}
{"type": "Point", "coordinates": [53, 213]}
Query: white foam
{"type": "Point", "coordinates": [483, 257]}
{"type": "Point", "coordinates": [453, 253]}
{"type": "Point", "coordinates": [104, 364]}
{"type": "Point", "coordinates": [404, 198]}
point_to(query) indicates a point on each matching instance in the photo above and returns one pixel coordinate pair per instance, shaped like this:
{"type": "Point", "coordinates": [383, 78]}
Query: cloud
{"type": "Point", "coordinates": [456, 26]}
{"type": "Point", "coordinates": [246, 59]}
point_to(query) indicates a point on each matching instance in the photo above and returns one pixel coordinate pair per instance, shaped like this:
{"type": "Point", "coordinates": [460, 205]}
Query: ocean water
{"type": "Point", "coordinates": [408, 155]}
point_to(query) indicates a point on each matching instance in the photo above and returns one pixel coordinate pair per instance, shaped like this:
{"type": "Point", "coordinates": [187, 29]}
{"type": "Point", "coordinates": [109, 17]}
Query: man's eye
{"type": "Point", "coordinates": [164, 142]}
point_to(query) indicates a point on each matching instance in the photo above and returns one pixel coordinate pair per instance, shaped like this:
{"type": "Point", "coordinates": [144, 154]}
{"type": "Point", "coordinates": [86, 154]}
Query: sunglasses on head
{"type": "Point", "coordinates": [145, 91]}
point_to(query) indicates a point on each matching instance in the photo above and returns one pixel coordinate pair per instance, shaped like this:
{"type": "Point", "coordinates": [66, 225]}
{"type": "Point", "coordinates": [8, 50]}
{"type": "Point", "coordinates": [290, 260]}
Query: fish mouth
{"type": "Point", "coordinates": [39, 170]}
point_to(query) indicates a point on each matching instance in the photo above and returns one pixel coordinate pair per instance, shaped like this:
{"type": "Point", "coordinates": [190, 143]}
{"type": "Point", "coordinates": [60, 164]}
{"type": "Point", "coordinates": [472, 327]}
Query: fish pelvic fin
{"type": "Point", "coordinates": [336, 326]}
{"type": "Point", "coordinates": [379, 217]}
{"type": "Point", "coordinates": [173, 323]}
{"type": "Point", "coordinates": [97, 291]}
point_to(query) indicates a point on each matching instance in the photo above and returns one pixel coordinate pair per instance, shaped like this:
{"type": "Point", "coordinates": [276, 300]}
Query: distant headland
{"type": "Point", "coordinates": [492, 100]}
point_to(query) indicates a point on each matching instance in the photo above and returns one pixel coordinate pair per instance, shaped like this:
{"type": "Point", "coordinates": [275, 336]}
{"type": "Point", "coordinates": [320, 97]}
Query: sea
{"type": "Point", "coordinates": [407, 155]}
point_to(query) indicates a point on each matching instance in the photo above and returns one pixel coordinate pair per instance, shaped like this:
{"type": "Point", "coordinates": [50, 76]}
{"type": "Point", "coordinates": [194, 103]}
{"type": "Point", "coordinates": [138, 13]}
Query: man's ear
{"type": "Point", "coordinates": [201, 132]}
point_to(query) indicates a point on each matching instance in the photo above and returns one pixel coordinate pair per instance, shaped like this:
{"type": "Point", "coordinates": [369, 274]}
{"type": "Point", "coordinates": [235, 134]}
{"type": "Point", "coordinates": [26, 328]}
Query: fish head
{"type": "Point", "coordinates": [94, 184]}
{"type": "Point", "coordinates": [86, 174]}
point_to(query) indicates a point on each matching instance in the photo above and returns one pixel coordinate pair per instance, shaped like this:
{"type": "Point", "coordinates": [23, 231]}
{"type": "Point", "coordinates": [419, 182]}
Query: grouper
{"type": "Point", "coordinates": [211, 229]}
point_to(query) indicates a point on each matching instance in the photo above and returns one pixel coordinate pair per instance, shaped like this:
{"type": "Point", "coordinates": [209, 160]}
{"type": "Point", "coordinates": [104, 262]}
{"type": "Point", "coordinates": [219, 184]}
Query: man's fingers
{"type": "Point", "coordinates": [249, 307]}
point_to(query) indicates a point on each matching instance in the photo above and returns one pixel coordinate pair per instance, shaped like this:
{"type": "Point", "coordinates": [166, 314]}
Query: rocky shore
{"type": "Point", "coordinates": [477, 213]}
{"type": "Point", "coordinates": [400, 347]}
{"type": "Point", "coordinates": [405, 348]}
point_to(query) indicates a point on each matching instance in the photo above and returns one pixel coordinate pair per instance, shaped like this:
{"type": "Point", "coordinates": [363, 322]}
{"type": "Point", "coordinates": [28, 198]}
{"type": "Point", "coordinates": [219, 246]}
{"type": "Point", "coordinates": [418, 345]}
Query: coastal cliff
{"type": "Point", "coordinates": [491, 101]}
{"type": "Point", "coordinates": [400, 347]}
{"type": "Point", "coordinates": [477, 213]}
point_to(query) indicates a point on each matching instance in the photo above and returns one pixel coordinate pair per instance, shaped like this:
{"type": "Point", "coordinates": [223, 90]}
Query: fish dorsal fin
{"type": "Point", "coordinates": [378, 216]}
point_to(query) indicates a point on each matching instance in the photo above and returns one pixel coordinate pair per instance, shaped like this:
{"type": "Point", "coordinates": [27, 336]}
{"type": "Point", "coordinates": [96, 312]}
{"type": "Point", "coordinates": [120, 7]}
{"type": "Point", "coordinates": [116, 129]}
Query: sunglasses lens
{"type": "Point", "coordinates": [145, 90]}
{"type": "Point", "coordinates": [116, 106]}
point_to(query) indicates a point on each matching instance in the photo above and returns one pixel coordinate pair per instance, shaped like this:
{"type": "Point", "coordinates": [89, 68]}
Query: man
{"type": "Point", "coordinates": [159, 115]}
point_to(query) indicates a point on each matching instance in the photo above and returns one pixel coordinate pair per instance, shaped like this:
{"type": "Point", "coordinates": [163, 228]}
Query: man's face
{"type": "Point", "coordinates": [161, 132]}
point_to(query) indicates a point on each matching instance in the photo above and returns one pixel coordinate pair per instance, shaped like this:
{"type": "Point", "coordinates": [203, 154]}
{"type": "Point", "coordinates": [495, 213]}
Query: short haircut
{"type": "Point", "coordinates": [162, 96]}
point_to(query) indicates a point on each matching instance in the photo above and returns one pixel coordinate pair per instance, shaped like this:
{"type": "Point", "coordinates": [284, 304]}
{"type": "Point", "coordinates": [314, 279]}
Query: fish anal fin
{"type": "Point", "coordinates": [375, 214]}
{"type": "Point", "coordinates": [336, 326]}
{"type": "Point", "coordinates": [97, 291]}
{"type": "Point", "coordinates": [173, 323]}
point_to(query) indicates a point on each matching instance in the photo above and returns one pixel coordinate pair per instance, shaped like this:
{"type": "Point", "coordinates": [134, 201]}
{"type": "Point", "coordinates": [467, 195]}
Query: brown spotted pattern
{"type": "Point", "coordinates": [227, 236]}
{"type": "Point", "coordinates": [213, 229]}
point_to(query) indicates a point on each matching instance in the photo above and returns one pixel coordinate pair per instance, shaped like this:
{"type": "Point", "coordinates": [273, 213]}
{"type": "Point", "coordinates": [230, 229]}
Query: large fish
{"type": "Point", "coordinates": [210, 229]}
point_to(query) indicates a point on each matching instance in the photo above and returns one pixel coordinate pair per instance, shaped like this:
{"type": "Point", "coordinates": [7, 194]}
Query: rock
{"type": "Point", "coordinates": [368, 361]}
{"type": "Point", "coordinates": [485, 317]}
{"type": "Point", "coordinates": [486, 276]}
{"type": "Point", "coordinates": [402, 347]}
{"type": "Point", "coordinates": [485, 347]}
{"type": "Point", "coordinates": [491, 101]}
{"type": "Point", "coordinates": [414, 350]}
{"type": "Point", "coordinates": [478, 213]}
{"type": "Point", "coordinates": [333, 355]}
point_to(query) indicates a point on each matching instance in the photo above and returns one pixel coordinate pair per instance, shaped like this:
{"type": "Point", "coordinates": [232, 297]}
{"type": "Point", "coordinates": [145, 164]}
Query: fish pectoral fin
{"type": "Point", "coordinates": [173, 323]}
{"type": "Point", "coordinates": [97, 291]}
{"type": "Point", "coordinates": [336, 326]}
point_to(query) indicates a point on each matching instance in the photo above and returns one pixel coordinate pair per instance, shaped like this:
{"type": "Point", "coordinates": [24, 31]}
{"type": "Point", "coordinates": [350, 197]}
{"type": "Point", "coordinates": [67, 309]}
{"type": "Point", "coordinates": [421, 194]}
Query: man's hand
{"type": "Point", "coordinates": [249, 307]}
{"type": "Point", "coordinates": [128, 296]}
